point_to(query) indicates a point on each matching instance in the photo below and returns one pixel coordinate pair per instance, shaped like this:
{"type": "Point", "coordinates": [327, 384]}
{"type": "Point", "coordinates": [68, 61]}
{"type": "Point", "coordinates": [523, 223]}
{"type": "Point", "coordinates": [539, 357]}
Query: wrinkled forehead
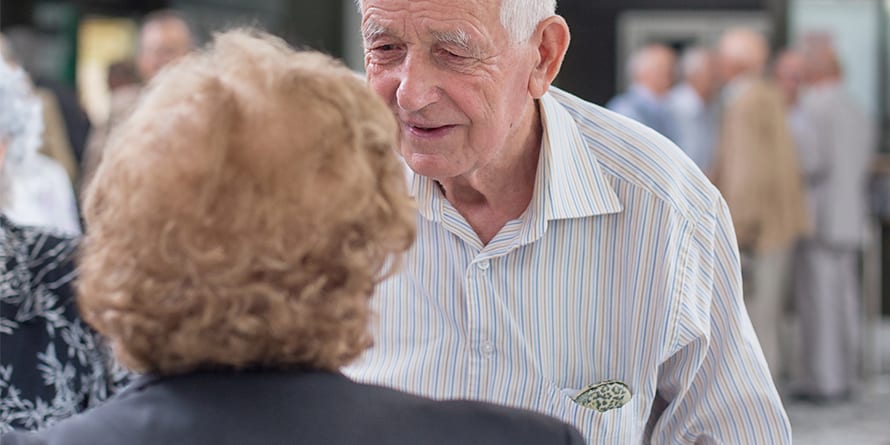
{"type": "Point", "coordinates": [441, 19]}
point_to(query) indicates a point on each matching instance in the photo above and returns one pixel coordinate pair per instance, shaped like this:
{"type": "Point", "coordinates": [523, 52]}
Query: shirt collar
{"type": "Point", "coordinates": [569, 172]}
{"type": "Point", "coordinates": [427, 193]}
{"type": "Point", "coordinates": [569, 182]}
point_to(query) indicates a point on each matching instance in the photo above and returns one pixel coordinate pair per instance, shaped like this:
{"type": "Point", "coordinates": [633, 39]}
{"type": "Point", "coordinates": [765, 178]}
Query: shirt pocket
{"type": "Point", "coordinates": [613, 426]}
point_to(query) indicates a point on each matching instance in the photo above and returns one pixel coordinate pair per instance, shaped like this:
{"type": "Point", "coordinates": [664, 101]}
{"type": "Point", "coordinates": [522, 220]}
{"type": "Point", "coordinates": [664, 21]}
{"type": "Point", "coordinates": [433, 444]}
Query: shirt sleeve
{"type": "Point", "coordinates": [716, 388]}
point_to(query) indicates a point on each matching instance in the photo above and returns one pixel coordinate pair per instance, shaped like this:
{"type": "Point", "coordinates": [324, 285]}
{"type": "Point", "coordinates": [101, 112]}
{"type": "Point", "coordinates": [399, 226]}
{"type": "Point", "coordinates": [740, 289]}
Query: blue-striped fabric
{"type": "Point", "coordinates": [624, 267]}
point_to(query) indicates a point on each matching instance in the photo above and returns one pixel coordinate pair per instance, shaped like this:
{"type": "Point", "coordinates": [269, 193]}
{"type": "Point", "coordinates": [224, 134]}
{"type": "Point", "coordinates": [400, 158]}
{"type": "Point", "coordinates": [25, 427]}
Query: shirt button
{"type": "Point", "coordinates": [487, 348]}
{"type": "Point", "coordinates": [484, 264]}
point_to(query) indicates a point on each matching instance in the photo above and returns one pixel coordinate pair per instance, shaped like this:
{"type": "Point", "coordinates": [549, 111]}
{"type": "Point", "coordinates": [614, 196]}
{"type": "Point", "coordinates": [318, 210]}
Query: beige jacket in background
{"type": "Point", "coordinates": [757, 169]}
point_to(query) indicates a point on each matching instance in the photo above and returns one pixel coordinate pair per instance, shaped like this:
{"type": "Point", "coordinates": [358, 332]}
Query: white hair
{"type": "Point", "coordinates": [21, 122]}
{"type": "Point", "coordinates": [745, 47]}
{"type": "Point", "coordinates": [643, 59]}
{"type": "Point", "coordinates": [519, 17]}
{"type": "Point", "coordinates": [694, 59]}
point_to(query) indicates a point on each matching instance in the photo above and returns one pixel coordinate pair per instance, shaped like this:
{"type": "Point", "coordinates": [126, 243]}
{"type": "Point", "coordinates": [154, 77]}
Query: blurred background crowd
{"type": "Point", "coordinates": [796, 90]}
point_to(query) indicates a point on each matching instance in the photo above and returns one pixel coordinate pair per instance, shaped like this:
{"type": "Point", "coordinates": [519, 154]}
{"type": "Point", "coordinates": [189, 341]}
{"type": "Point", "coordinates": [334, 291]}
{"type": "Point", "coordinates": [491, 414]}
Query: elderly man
{"type": "Point", "coordinates": [836, 162]}
{"type": "Point", "coordinates": [569, 260]}
{"type": "Point", "coordinates": [651, 72]}
{"type": "Point", "coordinates": [232, 259]}
{"type": "Point", "coordinates": [758, 173]}
{"type": "Point", "coordinates": [164, 37]}
{"type": "Point", "coordinates": [694, 106]}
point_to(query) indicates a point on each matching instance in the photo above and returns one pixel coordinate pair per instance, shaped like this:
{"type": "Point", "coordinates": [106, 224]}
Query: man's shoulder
{"type": "Point", "coordinates": [640, 158]}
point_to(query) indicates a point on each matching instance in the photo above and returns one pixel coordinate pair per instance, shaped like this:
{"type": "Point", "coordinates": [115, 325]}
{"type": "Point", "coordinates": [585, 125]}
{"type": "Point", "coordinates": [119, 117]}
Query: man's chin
{"type": "Point", "coordinates": [431, 166]}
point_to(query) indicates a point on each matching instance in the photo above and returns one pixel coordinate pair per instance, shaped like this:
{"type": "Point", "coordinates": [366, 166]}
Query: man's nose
{"type": "Point", "coordinates": [418, 85]}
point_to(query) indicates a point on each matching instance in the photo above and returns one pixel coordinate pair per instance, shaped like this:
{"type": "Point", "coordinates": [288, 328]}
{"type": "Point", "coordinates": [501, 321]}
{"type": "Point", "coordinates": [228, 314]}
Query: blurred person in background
{"type": "Point", "coordinates": [41, 193]}
{"type": "Point", "coordinates": [122, 74]}
{"type": "Point", "coordinates": [51, 365]}
{"type": "Point", "coordinates": [164, 37]}
{"type": "Point", "coordinates": [237, 229]}
{"type": "Point", "coordinates": [694, 106]}
{"type": "Point", "coordinates": [570, 260]}
{"type": "Point", "coordinates": [65, 124]}
{"type": "Point", "coordinates": [756, 169]}
{"type": "Point", "coordinates": [836, 162]}
{"type": "Point", "coordinates": [788, 72]}
{"type": "Point", "coordinates": [650, 70]}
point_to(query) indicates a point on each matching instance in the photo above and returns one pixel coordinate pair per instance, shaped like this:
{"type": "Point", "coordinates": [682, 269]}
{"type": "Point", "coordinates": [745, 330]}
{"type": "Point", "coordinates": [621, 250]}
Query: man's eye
{"type": "Point", "coordinates": [452, 56]}
{"type": "Point", "coordinates": [385, 48]}
{"type": "Point", "coordinates": [384, 53]}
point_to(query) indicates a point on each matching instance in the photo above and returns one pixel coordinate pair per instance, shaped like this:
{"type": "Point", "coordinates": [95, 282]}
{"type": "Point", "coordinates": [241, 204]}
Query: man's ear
{"type": "Point", "coordinates": [552, 40]}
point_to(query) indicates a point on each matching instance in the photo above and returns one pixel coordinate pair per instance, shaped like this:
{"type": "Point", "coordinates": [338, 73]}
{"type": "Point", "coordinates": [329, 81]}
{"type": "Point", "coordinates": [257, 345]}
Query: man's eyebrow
{"type": "Point", "coordinates": [371, 30]}
{"type": "Point", "coordinates": [458, 38]}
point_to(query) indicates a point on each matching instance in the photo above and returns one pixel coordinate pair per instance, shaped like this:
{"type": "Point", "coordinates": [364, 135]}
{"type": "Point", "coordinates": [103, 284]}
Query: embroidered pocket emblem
{"type": "Point", "coordinates": [604, 396]}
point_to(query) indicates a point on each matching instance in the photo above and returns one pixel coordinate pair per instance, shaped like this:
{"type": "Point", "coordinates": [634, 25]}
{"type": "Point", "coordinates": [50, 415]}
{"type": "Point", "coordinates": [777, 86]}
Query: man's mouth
{"type": "Point", "coordinates": [427, 130]}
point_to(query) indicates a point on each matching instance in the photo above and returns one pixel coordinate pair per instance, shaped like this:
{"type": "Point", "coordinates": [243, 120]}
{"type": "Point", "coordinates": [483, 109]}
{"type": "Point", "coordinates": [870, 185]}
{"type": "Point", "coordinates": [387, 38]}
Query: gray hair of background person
{"type": "Point", "coordinates": [21, 123]}
{"type": "Point", "coordinates": [747, 49]}
{"type": "Point", "coordinates": [693, 60]}
{"type": "Point", "coordinates": [648, 61]}
{"type": "Point", "coordinates": [820, 59]}
{"type": "Point", "coordinates": [519, 17]}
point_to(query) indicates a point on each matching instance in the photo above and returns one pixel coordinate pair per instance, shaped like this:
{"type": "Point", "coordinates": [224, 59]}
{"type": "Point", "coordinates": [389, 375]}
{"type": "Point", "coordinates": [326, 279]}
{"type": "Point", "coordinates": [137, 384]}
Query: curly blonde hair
{"type": "Point", "coordinates": [244, 213]}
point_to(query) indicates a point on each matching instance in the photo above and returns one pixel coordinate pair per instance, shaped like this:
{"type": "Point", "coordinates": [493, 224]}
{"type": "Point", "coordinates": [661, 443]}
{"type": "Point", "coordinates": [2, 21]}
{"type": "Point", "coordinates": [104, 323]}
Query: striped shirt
{"type": "Point", "coordinates": [624, 267]}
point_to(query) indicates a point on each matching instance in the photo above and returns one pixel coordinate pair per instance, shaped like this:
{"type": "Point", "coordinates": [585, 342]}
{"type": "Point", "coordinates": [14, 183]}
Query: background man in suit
{"type": "Point", "coordinates": [758, 173]}
{"type": "Point", "coordinates": [236, 232]}
{"type": "Point", "coordinates": [836, 161]}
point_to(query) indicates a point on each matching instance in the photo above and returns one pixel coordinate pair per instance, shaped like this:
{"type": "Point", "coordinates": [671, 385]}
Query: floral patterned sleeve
{"type": "Point", "coordinates": [52, 365]}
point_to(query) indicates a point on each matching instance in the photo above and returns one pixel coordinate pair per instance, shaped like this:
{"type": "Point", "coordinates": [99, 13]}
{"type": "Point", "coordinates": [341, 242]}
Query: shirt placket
{"type": "Point", "coordinates": [481, 324]}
